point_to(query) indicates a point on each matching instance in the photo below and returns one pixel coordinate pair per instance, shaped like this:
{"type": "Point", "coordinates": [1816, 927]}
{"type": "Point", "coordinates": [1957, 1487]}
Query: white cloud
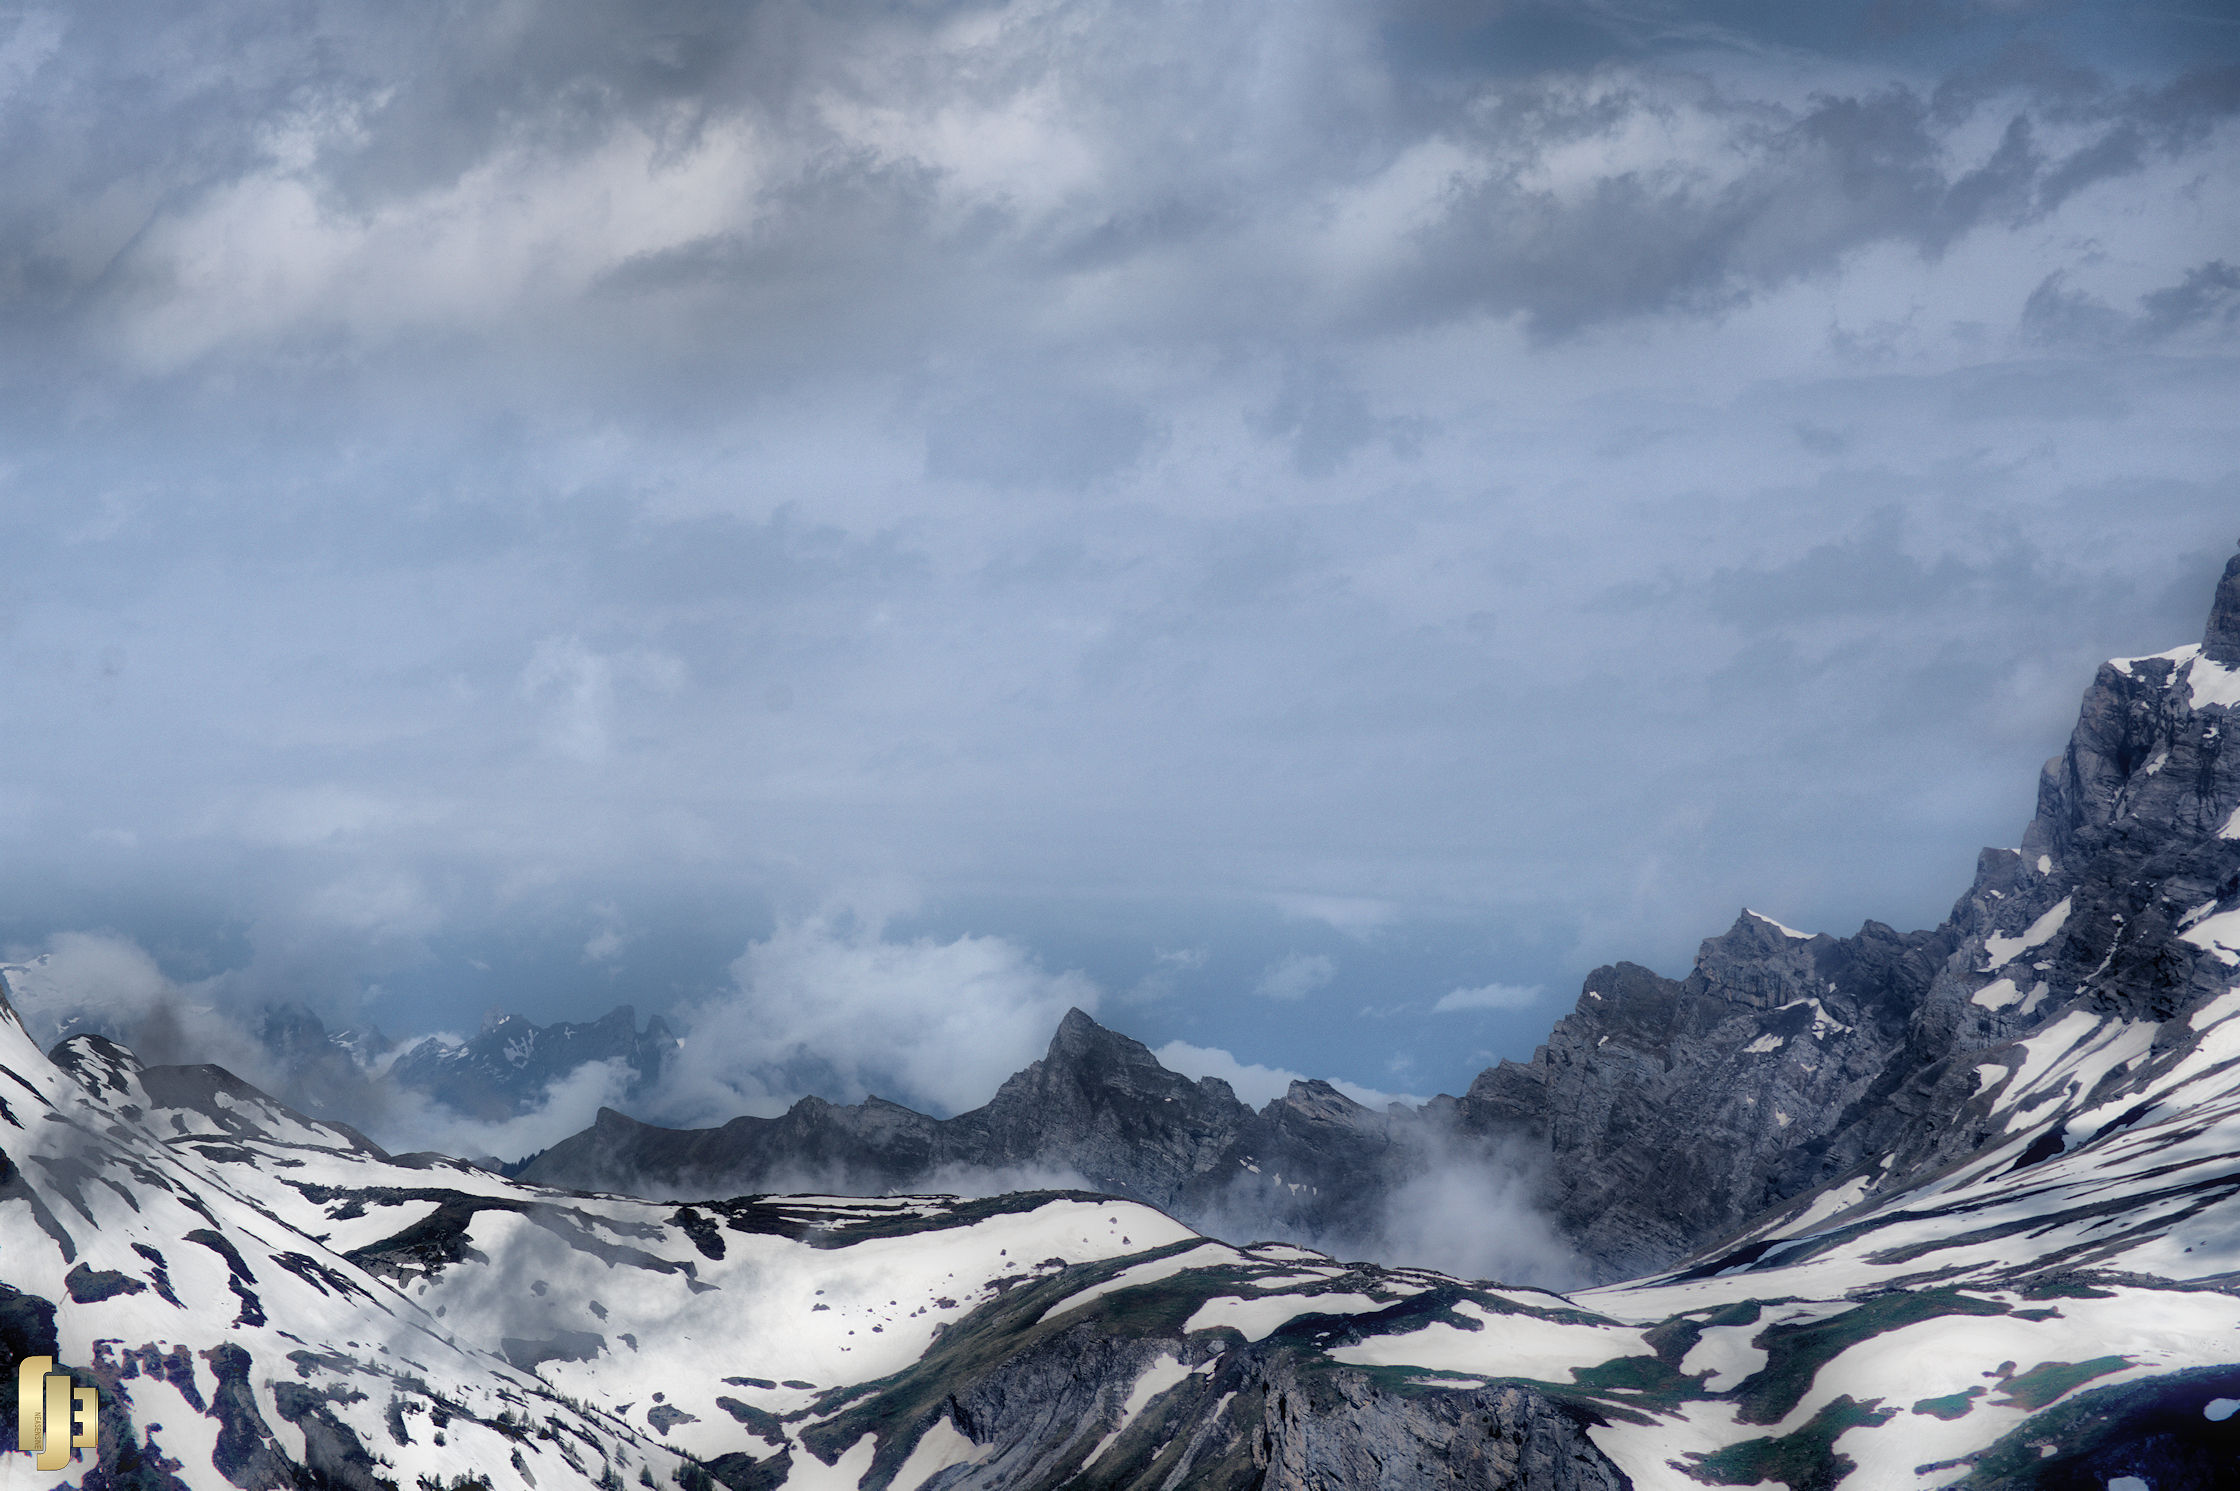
{"type": "Point", "coordinates": [825, 1003]}
{"type": "Point", "coordinates": [1295, 976]}
{"type": "Point", "coordinates": [1259, 1085]}
{"type": "Point", "coordinates": [98, 977]}
{"type": "Point", "coordinates": [106, 984]}
{"type": "Point", "coordinates": [1475, 1214]}
{"type": "Point", "coordinates": [409, 1120]}
{"type": "Point", "coordinates": [1488, 997]}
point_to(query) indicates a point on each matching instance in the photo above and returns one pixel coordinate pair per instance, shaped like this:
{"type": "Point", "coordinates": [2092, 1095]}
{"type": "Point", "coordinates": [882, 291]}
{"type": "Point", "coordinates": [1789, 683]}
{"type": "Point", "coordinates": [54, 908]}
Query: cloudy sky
{"type": "Point", "coordinates": [1302, 527]}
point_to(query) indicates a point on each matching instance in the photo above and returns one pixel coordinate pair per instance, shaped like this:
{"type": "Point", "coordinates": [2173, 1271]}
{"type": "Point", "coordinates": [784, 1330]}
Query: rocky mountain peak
{"type": "Point", "coordinates": [2220, 643]}
{"type": "Point", "coordinates": [1761, 963]}
{"type": "Point", "coordinates": [1084, 1055]}
{"type": "Point", "coordinates": [1079, 1037]}
{"type": "Point", "coordinates": [1317, 1100]}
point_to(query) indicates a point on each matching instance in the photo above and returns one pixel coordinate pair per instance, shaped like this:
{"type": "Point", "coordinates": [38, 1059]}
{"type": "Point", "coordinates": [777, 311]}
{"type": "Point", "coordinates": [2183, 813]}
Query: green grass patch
{"type": "Point", "coordinates": [1646, 1375]}
{"type": "Point", "coordinates": [1803, 1461]}
{"type": "Point", "coordinates": [1951, 1406]}
{"type": "Point", "coordinates": [2047, 1381]}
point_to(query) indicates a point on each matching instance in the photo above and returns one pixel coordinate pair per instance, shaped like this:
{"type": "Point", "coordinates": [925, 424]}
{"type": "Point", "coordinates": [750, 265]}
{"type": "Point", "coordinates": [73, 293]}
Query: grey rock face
{"type": "Point", "coordinates": [2220, 643]}
{"type": "Point", "coordinates": [1671, 1112]}
{"type": "Point", "coordinates": [1326, 1429]}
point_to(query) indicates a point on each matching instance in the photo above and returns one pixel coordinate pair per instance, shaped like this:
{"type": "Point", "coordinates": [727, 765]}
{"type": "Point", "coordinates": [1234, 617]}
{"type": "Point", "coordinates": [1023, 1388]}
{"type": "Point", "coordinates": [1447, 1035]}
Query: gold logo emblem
{"type": "Point", "coordinates": [53, 1415]}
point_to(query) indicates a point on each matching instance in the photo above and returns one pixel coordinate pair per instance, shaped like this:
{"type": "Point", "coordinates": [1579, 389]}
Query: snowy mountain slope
{"type": "Point", "coordinates": [766, 1337]}
{"type": "Point", "coordinates": [1663, 1114]}
{"type": "Point", "coordinates": [229, 1346]}
{"type": "Point", "coordinates": [1943, 1332]}
{"type": "Point", "coordinates": [2012, 1261]}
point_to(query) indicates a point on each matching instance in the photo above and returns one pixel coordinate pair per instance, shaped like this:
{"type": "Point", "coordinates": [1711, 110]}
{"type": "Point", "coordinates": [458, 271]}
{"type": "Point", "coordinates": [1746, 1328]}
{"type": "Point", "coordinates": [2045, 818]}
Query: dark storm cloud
{"type": "Point", "coordinates": [375, 137]}
{"type": "Point", "coordinates": [1812, 185]}
{"type": "Point", "coordinates": [2207, 298]}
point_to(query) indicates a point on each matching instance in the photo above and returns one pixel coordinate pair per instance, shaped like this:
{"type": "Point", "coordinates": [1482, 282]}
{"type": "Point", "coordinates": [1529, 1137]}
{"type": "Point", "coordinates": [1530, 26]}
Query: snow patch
{"type": "Point", "coordinates": [1765, 1043]}
{"type": "Point", "coordinates": [2003, 948]}
{"type": "Point", "coordinates": [2210, 683]}
{"type": "Point", "coordinates": [1724, 1353]}
{"type": "Point", "coordinates": [2216, 1011]}
{"type": "Point", "coordinates": [2231, 829]}
{"type": "Point", "coordinates": [1257, 1319]}
{"type": "Point", "coordinates": [1206, 1255]}
{"type": "Point", "coordinates": [1784, 931]}
{"type": "Point", "coordinates": [1164, 1373]}
{"type": "Point", "coordinates": [844, 1474]}
{"type": "Point", "coordinates": [1829, 1203]}
{"type": "Point", "coordinates": [2219, 934]}
{"type": "Point", "coordinates": [1527, 1346]}
{"type": "Point", "coordinates": [937, 1449]}
{"type": "Point", "coordinates": [1998, 995]}
{"type": "Point", "coordinates": [2178, 655]}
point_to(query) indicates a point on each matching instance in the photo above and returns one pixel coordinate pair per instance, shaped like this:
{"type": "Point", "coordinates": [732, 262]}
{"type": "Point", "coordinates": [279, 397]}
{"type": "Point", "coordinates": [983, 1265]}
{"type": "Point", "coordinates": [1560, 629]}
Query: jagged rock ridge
{"type": "Point", "coordinates": [1097, 1108]}
{"type": "Point", "coordinates": [1674, 1111]}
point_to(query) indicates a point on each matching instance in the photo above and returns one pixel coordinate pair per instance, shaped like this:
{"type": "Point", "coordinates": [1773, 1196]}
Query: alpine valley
{"type": "Point", "coordinates": [1949, 1208]}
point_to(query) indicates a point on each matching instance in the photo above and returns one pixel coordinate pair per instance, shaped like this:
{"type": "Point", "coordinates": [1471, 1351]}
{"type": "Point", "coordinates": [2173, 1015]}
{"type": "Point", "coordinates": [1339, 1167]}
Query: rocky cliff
{"type": "Point", "coordinates": [1670, 1112]}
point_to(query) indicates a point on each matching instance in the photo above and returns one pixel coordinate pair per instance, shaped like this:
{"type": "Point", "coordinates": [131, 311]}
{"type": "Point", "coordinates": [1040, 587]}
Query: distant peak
{"type": "Point", "coordinates": [1760, 916]}
{"type": "Point", "coordinates": [2220, 642]}
{"type": "Point", "coordinates": [1081, 1044]}
{"type": "Point", "coordinates": [1077, 1032]}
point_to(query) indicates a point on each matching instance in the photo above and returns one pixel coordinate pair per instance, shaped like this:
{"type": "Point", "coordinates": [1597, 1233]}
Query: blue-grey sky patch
{"type": "Point", "coordinates": [547, 506]}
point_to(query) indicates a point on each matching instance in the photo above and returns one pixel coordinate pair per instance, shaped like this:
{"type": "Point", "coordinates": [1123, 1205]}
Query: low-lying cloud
{"type": "Point", "coordinates": [1257, 1085]}
{"type": "Point", "coordinates": [1295, 976]}
{"type": "Point", "coordinates": [1488, 997]}
{"type": "Point", "coordinates": [829, 1005]}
